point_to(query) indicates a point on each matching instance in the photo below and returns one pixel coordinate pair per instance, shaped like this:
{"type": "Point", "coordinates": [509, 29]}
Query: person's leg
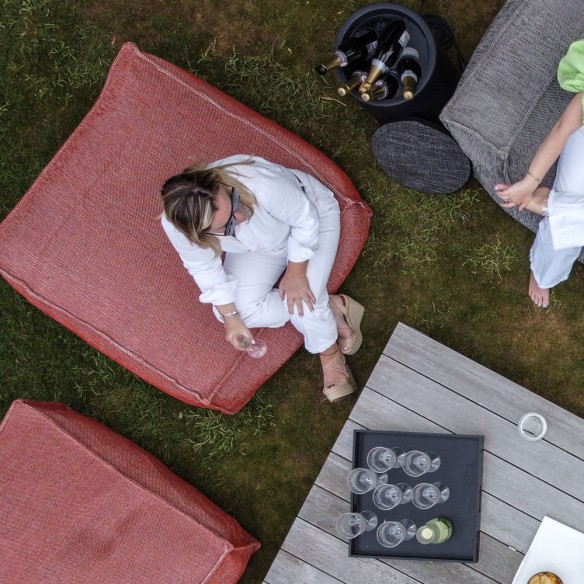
{"type": "Point", "coordinates": [259, 304]}
{"type": "Point", "coordinates": [539, 201]}
{"type": "Point", "coordinates": [319, 327]}
{"type": "Point", "coordinates": [549, 267]}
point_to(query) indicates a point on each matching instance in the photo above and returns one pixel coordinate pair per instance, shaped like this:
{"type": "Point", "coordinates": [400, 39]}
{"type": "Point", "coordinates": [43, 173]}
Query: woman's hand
{"type": "Point", "coordinates": [233, 327]}
{"type": "Point", "coordinates": [296, 289]}
{"type": "Point", "coordinates": [517, 194]}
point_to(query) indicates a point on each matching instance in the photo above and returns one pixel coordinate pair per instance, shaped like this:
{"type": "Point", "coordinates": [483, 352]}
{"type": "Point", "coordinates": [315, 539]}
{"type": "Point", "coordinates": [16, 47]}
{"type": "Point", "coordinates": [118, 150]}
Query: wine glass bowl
{"type": "Point", "coordinates": [417, 463]}
{"type": "Point", "coordinates": [391, 533]}
{"type": "Point", "coordinates": [406, 492]}
{"type": "Point", "coordinates": [381, 459]}
{"type": "Point", "coordinates": [363, 480]}
{"type": "Point", "coordinates": [350, 525]}
{"type": "Point", "coordinates": [254, 348]}
{"type": "Point", "coordinates": [426, 495]}
{"type": "Point", "coordinates": [387, 496]}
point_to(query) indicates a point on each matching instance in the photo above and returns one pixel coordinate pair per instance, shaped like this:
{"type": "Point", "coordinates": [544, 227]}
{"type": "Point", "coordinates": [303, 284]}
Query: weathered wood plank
{"type": "Point", "coordinates": [520, 499]}
{"type": "Point", "coordinates": [419, 385]}
{"type": "Point", "coordinates": [321, 509]}
{"type": "Point", "coordinates": [288, 569]}
{"type": "Point", "coordinates": [330, 554]}
{"type": "Point", "coordinates": [497, 561]}
{"type": "Point", "coordinates": [481, 385]}
{"type": "Point", "coordinates": [499, 520]}
{"type": "Point", "coordinates": [433, 401]}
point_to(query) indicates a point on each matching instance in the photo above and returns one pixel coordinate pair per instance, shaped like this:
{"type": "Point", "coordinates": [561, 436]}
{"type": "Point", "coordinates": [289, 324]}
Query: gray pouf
{"type": "Point", "coordinates": [421, 155]}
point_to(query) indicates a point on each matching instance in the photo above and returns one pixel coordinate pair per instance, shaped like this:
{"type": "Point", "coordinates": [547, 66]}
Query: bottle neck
{"type": "Point", "coordinates": [337, 60]}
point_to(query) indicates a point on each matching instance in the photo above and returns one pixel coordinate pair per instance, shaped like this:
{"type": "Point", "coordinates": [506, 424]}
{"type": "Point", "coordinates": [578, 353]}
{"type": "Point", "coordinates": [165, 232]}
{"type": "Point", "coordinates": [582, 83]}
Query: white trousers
{"type": "Point", "coordinates": [551, 265]}
{"type": "Point", "coordinates": [259, 302]}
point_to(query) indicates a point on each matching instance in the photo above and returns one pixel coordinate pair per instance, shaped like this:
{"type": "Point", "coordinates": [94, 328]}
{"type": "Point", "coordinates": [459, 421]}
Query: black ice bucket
{"type": "Point", "coordinates": [439, 75]}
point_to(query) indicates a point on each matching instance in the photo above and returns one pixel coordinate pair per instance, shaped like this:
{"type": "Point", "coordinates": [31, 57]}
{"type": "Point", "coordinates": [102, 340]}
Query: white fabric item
{"type": "Point", "coordinates": [566, 201]}
{"type": "Point", "coordinates": [566, 216]}
{"type": "Point", "coordinates": [560, 235]}
{"type": "Point", "coordinates": [259, 303]}
{"type": "Point", "coordinates": [550, 266]}
{"type": "Point", "coordinates": [289, 224]}
{"type": "Point", "coordinates": [285, 224]}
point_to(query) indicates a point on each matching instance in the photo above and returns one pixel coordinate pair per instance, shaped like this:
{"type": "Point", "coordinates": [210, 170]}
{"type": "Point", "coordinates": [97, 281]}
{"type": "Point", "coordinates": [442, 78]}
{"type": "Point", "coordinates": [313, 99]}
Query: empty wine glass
{"type": "Point", "coordinates": [387, 496]}
{"type": "Point", "coordinates": [426, 495]}
{"type": "Point", "coordinates": [254, 348]}
{"type": "Point", "coordinates": [416, 463]}
{"type": "Point", "coordinates": [406, 492]}
{"type": "Point", "coordinates": [363, 480]}
{"type": "Point", "coordinates": [382, 459]}
{"type": "Point", "coordinates": [351, 525]}
{"type": "Point", "coordinates": [392, 533]}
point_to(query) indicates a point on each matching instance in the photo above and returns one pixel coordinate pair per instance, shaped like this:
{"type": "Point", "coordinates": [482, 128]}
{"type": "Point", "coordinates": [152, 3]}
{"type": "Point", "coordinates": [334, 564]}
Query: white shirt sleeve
{"type": "Point", "coordinates": [204, 266]}
{"type": "Point", "coordinates": [286, 201]}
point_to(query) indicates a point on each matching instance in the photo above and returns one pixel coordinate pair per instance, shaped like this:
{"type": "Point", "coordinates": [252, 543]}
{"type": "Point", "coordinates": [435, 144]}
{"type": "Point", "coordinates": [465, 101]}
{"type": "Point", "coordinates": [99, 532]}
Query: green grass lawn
{"type": "Point", "coordinates": [454, 267]}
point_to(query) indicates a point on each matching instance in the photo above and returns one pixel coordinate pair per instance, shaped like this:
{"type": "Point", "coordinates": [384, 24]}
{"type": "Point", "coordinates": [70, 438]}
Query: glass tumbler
{"type": "Point", "coordinates": [532, 426]}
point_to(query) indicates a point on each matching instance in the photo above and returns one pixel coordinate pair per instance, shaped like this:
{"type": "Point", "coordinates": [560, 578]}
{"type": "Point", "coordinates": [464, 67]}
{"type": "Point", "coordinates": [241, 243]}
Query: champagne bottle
{"type": "Point", "coordinates": [437, 530]}
{"type": "Point", "coordinates": [409, 71]}
{"type": "Point", "coordinates": [384, 88]}
{"type": "Point", "coordinates": [357, 48]}
{"type": "Point", "coordinates": [392, 41]}
{"type": "Point", "coordinates": [356, 79]}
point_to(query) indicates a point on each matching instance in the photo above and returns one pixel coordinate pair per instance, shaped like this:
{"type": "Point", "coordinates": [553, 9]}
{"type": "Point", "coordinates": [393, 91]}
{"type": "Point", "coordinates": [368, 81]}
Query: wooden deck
{"type": "Point", "coordinates": [420, 385]}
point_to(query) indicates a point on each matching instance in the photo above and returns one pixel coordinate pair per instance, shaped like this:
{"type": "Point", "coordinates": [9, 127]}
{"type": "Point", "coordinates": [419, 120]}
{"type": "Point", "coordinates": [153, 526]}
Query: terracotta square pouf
{"type": "Point", "coordinates": [81, 504]}
{"type": "Point", "coordinates": [85, 243]}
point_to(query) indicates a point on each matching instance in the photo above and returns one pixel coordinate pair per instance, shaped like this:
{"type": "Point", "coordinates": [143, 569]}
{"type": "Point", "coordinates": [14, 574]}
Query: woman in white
{"type": "Point", "coordinates": [269, 220]}
{"type": "Point", "coordinates": [560, 235]}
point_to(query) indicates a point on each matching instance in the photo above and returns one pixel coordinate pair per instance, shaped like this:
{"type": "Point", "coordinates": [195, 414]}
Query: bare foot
{"type": "Point", "coordinates": [539, 200]}
{"type": "Point", "coordinates": [540, 296]}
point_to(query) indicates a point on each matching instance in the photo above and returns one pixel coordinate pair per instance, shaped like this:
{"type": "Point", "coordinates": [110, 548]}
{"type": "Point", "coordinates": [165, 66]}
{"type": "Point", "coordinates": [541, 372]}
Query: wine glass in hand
{"type": "Point", "coordinates": [255, 349]}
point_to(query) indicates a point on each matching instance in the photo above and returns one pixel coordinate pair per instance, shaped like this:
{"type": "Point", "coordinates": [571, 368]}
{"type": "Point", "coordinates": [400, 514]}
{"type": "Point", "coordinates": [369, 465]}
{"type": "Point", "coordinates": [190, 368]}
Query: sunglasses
{"type": "Point", "coordinates": [230, 227]}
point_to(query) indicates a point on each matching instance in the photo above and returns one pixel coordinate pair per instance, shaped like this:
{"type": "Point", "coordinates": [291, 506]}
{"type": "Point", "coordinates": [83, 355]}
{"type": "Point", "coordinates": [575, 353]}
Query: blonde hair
{"type": "Point", "coordinates": [189, 204]}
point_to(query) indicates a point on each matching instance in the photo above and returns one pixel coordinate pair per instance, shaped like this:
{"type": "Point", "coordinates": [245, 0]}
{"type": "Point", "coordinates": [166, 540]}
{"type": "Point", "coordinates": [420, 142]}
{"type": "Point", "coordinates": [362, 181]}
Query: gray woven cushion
{"type": "Point", "coordinates": [508, 98]}
{"type": "Point", "coordinates": [421, 156]}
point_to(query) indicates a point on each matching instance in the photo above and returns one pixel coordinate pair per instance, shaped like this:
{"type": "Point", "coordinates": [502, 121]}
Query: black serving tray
{"type": "Point", "coordinates": [461, 469]}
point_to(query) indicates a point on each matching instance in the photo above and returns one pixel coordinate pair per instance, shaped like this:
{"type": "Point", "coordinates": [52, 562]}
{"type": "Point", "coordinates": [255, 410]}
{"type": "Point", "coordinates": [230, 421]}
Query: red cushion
{"type": "Point", "coordinates": [85, 244]}
{"type": "Point", "coordinates": [80, 503]}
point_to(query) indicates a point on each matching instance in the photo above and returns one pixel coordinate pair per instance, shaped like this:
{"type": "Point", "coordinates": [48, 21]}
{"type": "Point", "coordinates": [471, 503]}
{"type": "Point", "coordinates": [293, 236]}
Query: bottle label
{"type": "Point", "coordinates": [371, 49]}
{"type": "Point", "coordinates": [404, 39]}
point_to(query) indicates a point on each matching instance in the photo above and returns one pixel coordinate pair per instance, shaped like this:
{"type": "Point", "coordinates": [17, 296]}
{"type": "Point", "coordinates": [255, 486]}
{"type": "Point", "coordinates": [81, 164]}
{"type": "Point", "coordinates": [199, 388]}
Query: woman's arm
{"type": "Point", "coordinates": [233, 323]}
{"type": "Point", "coordinates": [550, 149]}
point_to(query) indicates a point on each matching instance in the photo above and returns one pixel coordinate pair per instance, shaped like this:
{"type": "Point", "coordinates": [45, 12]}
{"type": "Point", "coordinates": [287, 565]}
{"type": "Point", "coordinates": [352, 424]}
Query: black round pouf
{"type": "Point", "coordinates": [421, 155]}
